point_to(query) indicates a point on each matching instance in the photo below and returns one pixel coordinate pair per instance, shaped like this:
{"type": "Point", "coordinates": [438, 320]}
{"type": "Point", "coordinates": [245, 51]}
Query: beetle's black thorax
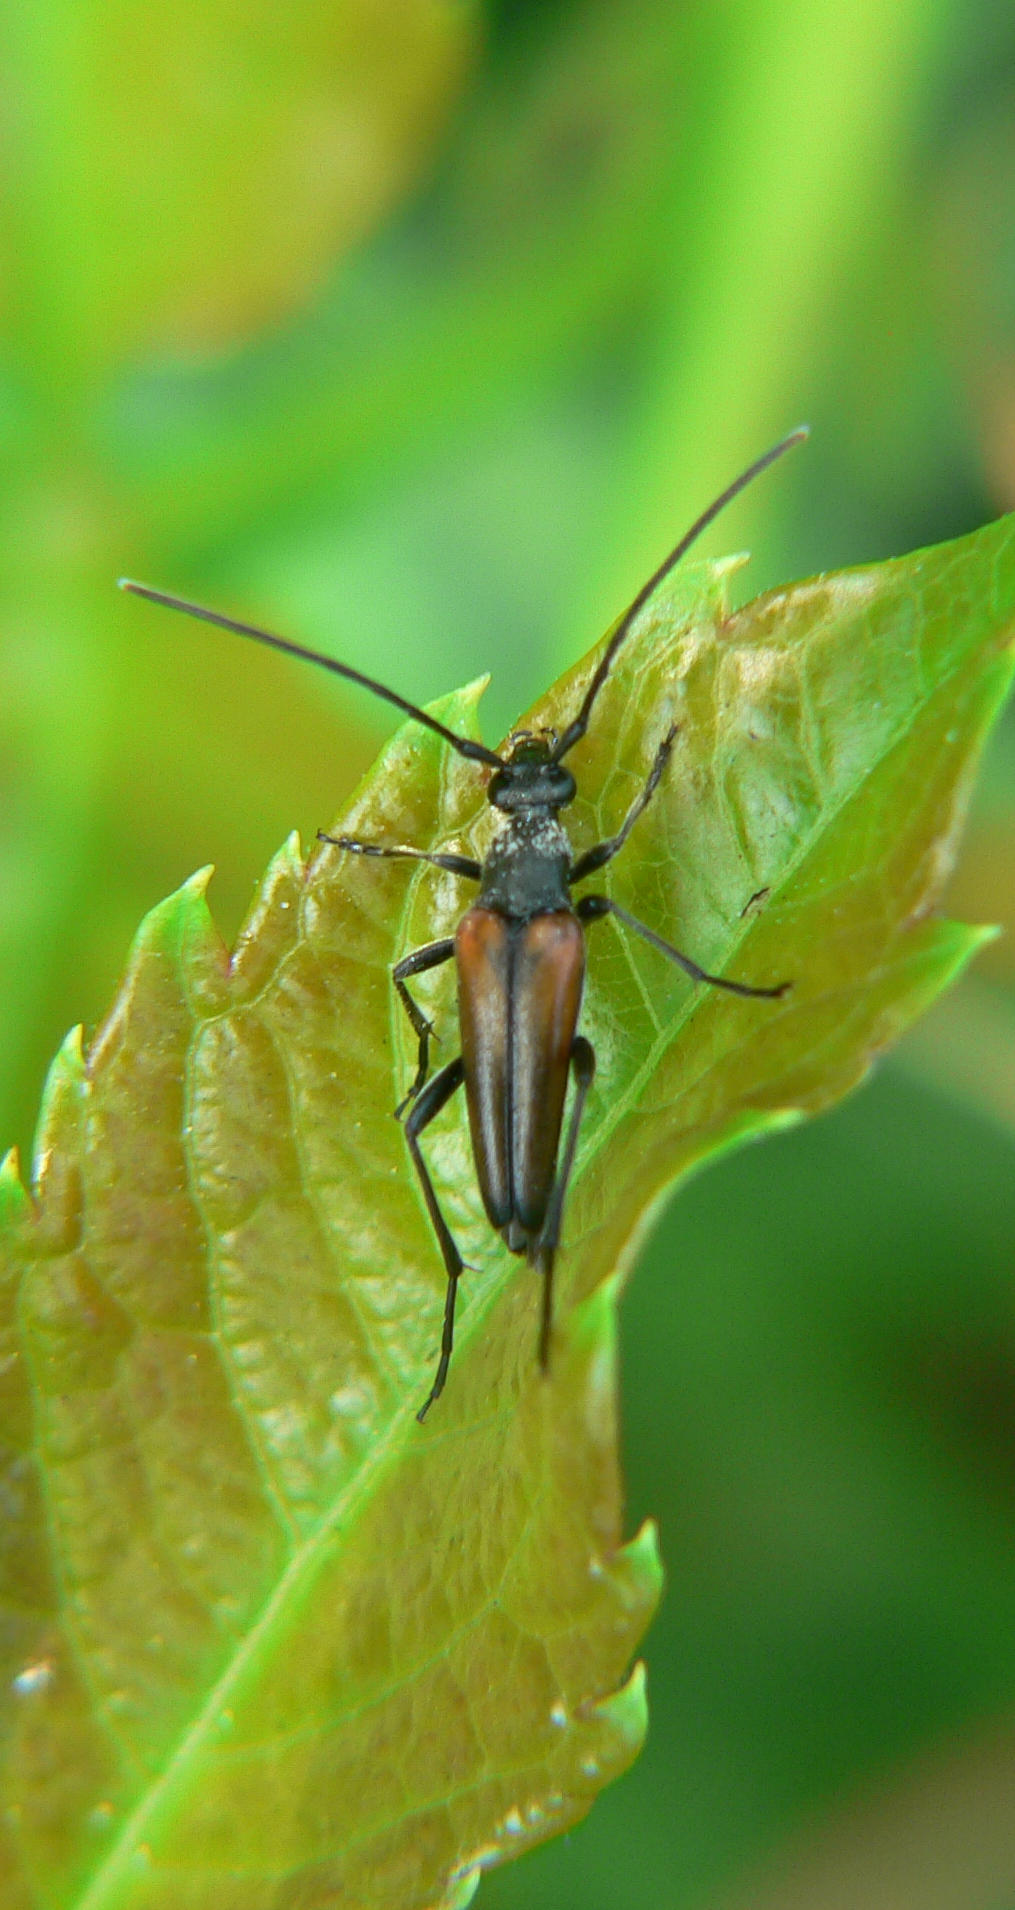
{"type": "Point", "coordinates": [525, 872]}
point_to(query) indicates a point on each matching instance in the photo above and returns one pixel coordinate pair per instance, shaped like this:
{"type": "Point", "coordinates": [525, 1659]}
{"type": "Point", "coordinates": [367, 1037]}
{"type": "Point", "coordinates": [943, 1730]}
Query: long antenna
{"type": "Point", "coordinates": [576, 730]}
{"type": "Point", "coordinates": [474, 752]}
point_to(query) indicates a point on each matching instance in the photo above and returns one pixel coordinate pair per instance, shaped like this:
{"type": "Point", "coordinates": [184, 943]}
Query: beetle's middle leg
{"type": "Point", "coordinates": [430, 1102]}
{"type": "Point", "coordinates": [430, 956]}
{"type": "Point", "coordinates": [458, 865]}
{"type": "Point", "coordinates": [583, 1067]}
{"type": "Point", "coordinates": [592, 908]}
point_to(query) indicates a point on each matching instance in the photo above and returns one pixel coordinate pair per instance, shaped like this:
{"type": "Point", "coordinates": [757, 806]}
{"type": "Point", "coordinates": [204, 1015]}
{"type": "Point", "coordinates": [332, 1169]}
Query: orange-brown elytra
{"type": "Point", "coordinates": [519, 952]}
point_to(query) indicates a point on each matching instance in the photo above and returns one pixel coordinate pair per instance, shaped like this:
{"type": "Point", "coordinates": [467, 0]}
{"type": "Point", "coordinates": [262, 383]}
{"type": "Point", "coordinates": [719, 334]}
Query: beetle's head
{"type": "Point", "coordinates": [529, 778]}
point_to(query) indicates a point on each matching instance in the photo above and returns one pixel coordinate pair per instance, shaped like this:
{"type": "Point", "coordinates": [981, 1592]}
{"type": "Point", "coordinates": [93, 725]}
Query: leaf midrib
{"type": "Point", "coordinates": [115, 1868]}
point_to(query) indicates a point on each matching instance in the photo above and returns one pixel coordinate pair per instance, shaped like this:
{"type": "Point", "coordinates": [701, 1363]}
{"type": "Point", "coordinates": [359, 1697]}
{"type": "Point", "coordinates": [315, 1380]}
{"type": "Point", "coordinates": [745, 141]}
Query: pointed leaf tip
{"type": "Point", "coordinates": [643, 1564]}
{"type": "Point", "coordinates": [463, 1890]}
{"type": "Point", "coordinates": [625, 1713]}
{"type": "Point", "coordinates": [13, 1193]}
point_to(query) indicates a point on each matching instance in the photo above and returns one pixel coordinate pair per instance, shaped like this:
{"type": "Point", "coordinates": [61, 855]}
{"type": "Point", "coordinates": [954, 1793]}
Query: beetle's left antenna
{"type": "Point", "coordinates": [474, 752]}
{"type": "Point", "coordinates": [576, 730]}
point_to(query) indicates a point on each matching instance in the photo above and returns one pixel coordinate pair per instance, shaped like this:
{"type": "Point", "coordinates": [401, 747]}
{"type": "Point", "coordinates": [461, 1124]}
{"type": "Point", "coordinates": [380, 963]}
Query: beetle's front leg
{"type": "Point", "coordinates": [604, 852]}
{"type": "Point", "coordinates": [431, 956]}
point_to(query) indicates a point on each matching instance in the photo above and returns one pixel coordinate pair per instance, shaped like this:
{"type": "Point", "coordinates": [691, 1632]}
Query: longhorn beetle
{"type": "Point", "coordinates": [520, 956]}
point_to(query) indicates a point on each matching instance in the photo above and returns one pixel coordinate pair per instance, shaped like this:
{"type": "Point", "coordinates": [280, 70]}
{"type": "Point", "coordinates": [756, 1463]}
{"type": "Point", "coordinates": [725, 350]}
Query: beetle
{"type": "Point", "coordinates": [519, 952]}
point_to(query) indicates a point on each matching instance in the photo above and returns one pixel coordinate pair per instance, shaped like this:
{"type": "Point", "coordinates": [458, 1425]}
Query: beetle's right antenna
{"type": "Point", "coordinates": [576, 730]}
{"type": "Point", "coordinates": [465, 745]}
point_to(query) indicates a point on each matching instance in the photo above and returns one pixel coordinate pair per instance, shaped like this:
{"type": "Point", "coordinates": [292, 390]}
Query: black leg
{"type": "Point", "coordinates": [430, 1102]}
{"type": "Point", "coordinates": [604, 851]}
{"type": "Point", "coordinates": [421, 958]}
{"type": "Point", "coordinates": [592, 907]}
{"type": "Point", "coordinates": [583, 1066]}
{"type": "Point", "coordinates": [458, 865]}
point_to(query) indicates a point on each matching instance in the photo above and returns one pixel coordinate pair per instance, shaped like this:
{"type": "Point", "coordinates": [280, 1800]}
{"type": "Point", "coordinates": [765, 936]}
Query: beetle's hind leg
{"type": "Point", "coordinates": [583, 1067]}
{"type": "Point", "coordinates": [431, 956]}
{"type": "Point", "coordinates": [430, 1102]}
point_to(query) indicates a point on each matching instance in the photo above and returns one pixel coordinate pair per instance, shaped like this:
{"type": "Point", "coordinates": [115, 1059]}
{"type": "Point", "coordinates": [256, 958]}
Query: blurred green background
{"type": "Point", "coordinates": [419, 331]}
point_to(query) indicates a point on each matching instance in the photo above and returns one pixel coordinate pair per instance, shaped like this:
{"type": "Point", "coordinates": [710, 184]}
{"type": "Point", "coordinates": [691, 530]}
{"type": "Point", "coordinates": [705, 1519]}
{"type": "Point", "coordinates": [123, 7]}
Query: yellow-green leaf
{"type": "Point", "coordinates": [268, 1643]}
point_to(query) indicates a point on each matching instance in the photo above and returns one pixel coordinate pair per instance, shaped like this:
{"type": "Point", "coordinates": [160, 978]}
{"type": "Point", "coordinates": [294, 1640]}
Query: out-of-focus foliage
{"type": "Point", "coordinates": [422, 341]}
